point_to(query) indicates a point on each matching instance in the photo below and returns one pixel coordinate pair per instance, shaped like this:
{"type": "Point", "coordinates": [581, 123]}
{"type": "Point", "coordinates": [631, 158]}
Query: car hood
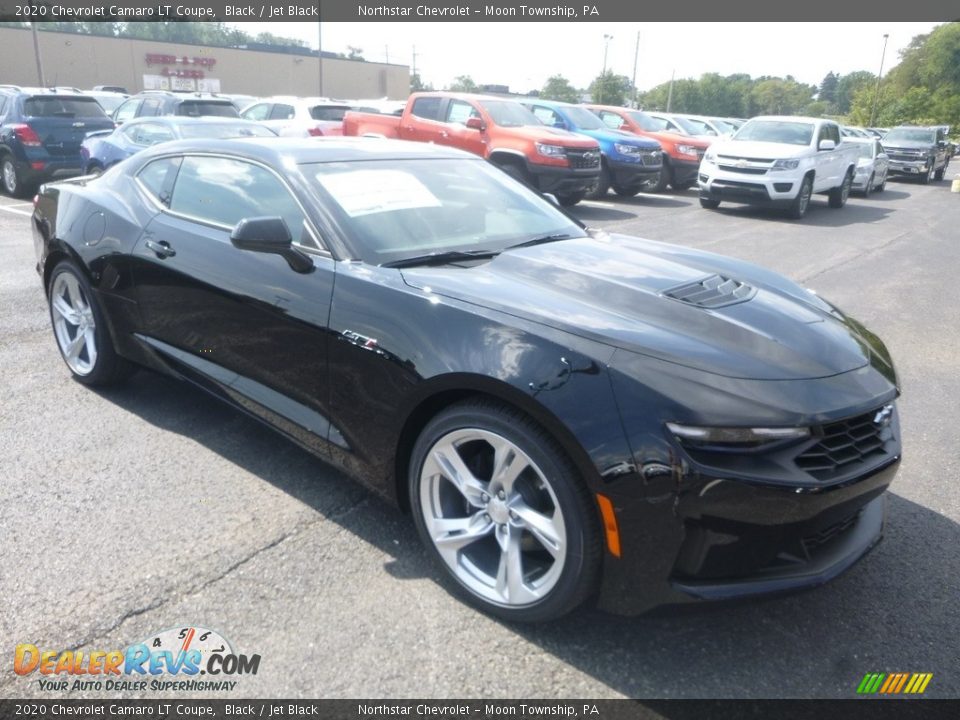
{"type": "Point", "coordinates": [614, 289]}
{"type": "Point", "coordinates": [758, 149]}
{"type": "Point", "coordinates": [554, 136]}
{"type": "Point", "coordinates": [906, 145]}
{"type": "Point", "coordinates": [619, 136]}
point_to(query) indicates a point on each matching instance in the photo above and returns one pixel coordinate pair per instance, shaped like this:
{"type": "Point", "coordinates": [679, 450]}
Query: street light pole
{"type": "Point", "coordinates": [636, 54]}
{"type": "Point", "coordinates": [603, 75]}
{"type": "Point", "coordinates": [36, 54]}
{"type": "Point", "coordinates": [876, 92]}
{"type": "Point", "coordinates": [320, 58]}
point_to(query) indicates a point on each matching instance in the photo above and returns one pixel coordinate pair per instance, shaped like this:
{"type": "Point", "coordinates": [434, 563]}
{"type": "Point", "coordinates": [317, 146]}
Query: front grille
{"type": "Point", "coordinates": [712, 292]}
{"type": "Point", "coordinates": [583, 159]}
{"type": "Point", "coordinates": [744, 170]}
{"type": "Point", "coordinates": [845, 445]}
{"type": "Point", "coordinates": [908, 155]}
{"type": "Point", "coordinates": [651, 159]}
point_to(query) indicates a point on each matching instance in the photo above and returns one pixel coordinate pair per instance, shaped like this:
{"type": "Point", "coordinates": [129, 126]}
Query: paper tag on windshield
{"type": "Point", "coordinates": [364, 192]}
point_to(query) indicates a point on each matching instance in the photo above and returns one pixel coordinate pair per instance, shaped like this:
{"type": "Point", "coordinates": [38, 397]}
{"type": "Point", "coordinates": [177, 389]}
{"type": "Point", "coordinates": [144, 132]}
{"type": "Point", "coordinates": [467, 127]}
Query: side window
{"type": "Point", "coordinates": [834, 133]}
{"type": "Point", "coordinates": [823, 135]}
{"type": "Point", "coordinates": [260, 111]}
{"type": "Point", "coordinates": [225, 191]}
{"type": "Point", "coordinates": [611, 119]}
{"type": "Point", "coordinates": [149, 108]}
{"type": "Point", "coordinates": [157, 178]}
{"type": "Point", "coordinates": [3, 104]}
{"type": "Point", "coordinates": [458, 111]}
{"type": "Point", "coordinates": [427, 108]}
{"type": "Point", "coordinates": [127, 111]}
{"type": "Point", "coordinates": [548, 116]}
{"type": "Point", "coordinates": [282, 112]}
{"type": "Point", "coordinates": [153, 133]}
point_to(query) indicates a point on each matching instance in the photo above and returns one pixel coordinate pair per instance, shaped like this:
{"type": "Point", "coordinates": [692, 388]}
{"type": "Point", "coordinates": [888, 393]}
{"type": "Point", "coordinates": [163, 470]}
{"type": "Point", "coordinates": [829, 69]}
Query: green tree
{"type": "Point", "coordinates": [354, 53]}
{"type": "Point", "coordinates": [417, 84]}
{"type": "Point", "coordinates": [849, 85]}
{"type": "Point", "coordinates": [828, 88]}
{"type": "Point", "coordinates": [558, 87]}
{"type": "Point", "coordinates": [611, 89]}
{"type": "Point", "coordinates": [463, 83]}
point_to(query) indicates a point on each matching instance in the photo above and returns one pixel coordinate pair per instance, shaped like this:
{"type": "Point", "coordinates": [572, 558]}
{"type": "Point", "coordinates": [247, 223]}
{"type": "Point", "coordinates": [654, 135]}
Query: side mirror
{"type": "Point", "coordinates": [827, 145]}
{"type": "Point", "coordinates": [552, 198]}
{"type": "Point", "coordinates": [475, 123]}
{"type": "Point", "coordinates": [270, 235]}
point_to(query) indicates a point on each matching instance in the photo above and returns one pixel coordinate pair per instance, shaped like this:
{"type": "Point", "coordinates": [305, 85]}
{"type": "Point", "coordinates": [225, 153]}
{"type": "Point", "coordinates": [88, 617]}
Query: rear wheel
{"type": "Point", "coordinates": [839, 195]}
{"type": "Point", "coordinates": [504, 512]}
{"type": "Point", "coordinates": [12, 182]}
{"type": "Point", "coordinates": [80, 329]}
{"type": "Point", "coordinates": [869, 188]}
{"type": "Point", "coordinates": [938, 175]}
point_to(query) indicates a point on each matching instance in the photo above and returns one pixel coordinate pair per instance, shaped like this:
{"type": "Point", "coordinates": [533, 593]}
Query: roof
{"type": "Point", "coordinates": [278, 151]}
{"type": "Point", "coordinates": [794, 118]}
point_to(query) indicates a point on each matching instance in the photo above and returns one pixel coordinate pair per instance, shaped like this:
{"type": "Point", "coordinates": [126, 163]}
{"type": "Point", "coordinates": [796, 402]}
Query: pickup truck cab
{"type": "Point", "coordinates": [681, 153]}
{"type": "Point", "coordinates": [920, 152]}
{"type": "Point", "coordinates": [779, 161]}
{"type": "Point", "coordinates": [628, 163]}
{"type": "Point", "coordinates": [501, 130]}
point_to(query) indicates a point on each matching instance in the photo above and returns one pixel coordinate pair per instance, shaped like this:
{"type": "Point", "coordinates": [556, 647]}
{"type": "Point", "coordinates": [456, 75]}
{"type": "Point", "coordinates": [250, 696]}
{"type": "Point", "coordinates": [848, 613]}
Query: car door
{"type": "Point", "coordinates": [881, 163]}
{"type": "Point", "coordinates": [127, 111]}
{"type": "Point", "coordinates": [242, 323]}
{"type": "Point", "coordinates": [826, 161]}
{"type": "Point", "coordinates": [458, 134]}
{"type": "Point", "coordinates": [423, 122]}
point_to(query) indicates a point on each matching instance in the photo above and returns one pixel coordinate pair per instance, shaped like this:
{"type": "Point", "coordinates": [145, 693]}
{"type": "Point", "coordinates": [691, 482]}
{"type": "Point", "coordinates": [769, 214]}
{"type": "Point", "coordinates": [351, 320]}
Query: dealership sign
{"type": "Point", "coordinates": [180, 72]}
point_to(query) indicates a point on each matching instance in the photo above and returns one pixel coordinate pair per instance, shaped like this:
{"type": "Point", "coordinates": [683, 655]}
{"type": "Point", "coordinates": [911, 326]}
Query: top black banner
{"type": "Point", "coordinates": [477, 10]}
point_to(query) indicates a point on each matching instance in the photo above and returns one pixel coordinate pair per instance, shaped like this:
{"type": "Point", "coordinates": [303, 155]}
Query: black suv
{"type": "Point", "coordinates": [150, 103]}
{"type": "Point", "coordinates": [40, 134]}
{"type": "Point", "coordinates": [919, 152]}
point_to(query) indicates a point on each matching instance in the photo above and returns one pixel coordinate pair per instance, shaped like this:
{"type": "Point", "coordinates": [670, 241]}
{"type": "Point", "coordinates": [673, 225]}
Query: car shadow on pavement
{"type": "Point", "coordinates": [819, 214]}
{"type": "Point", "coordinates": [895, 611]}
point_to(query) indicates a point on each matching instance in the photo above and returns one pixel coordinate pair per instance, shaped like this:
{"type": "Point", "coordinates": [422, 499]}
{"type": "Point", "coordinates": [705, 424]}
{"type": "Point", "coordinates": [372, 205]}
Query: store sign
{"type": "Point", "coordinates": [172, 82]}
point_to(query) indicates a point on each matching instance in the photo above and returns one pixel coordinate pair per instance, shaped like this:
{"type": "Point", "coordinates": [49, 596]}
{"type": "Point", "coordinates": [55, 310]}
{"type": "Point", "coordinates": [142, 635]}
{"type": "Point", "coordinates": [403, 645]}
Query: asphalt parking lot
{"type": "Point", "coordinates": [152, 506]}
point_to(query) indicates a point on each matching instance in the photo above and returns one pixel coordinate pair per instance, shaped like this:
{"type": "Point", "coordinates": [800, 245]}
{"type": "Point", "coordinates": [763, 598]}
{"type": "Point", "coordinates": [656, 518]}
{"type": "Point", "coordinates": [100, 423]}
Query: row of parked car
{"type": "Point", "coordinates": [571, 151]}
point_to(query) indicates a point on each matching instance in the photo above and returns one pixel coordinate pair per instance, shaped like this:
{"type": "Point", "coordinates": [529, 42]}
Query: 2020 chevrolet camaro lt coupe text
{"type": "Point", "coordinates": [568, 415]}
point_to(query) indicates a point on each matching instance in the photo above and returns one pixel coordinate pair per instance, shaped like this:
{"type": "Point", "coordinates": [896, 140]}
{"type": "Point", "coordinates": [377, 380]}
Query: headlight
{"type": "Point", "coordinates": [710, 157]}
{"type": "Point", "coordinates": [551, 150]}
{"type": "Point", "coordinates": [785, 165]}
{"type": "Point", "coordinates": [626, 149]}
{"type": "Point", "coordinates": [735, 438]}
{"type": "Point", "coordinates": [686, 149]}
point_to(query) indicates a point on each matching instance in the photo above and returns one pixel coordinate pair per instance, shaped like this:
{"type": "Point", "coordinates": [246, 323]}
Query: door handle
{"type": "Point", "coordinates": [444, 134]}
{"type": "Point", "coordinates": [162, 248]}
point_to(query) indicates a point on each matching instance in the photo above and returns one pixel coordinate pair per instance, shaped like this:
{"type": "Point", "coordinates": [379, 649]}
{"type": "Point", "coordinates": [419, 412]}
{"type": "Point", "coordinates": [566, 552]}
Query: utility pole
{"type": "Point", "coordinates": [636, 54]}
{"type": "Point", "coordinates": [320, 57]}
{"type": "Point", "coordinates": [36, 54]}
{"type": "Point", "coordinates": [603, 75]}
{"type": "Point", "coordinates": [670, 91]}
{"type": "Point", "coordinates": [876, 92]}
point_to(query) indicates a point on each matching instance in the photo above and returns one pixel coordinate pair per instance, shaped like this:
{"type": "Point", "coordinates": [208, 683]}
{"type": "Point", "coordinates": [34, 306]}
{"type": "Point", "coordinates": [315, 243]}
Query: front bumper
{"type": "Point", "coordinates": [771, 189]}
{"type": "Point", "coordinates": [909, 168]}
{"type": "Point", "coordinates": [684, 171]}
{"type": "Point", "coordinates": [562, 180]}
{"type": "Point", "coordinates": [633, 174]}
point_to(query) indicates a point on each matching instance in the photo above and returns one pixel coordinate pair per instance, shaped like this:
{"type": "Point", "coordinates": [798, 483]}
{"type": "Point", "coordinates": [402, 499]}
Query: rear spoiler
{"type": "Point", "coordinates": [96, 133]}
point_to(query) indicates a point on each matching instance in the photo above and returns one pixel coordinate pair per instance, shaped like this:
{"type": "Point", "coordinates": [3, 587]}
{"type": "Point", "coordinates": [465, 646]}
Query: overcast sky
{"type": "Point", "coordinates": [524, 55]}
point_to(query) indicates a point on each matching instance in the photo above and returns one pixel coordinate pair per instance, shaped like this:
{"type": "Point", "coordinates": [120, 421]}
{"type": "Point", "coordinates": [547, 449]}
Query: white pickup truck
{"type": "Point", "coordinates": [779, 162]}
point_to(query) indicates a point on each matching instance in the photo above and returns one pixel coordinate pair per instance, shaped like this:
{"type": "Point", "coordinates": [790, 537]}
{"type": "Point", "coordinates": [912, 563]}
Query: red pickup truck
{"type": "Point", "coordinates": [498, 129]}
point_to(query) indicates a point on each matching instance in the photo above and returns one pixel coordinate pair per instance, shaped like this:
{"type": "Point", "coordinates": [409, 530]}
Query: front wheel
{"type": "Point", "coordinates": [80, 329]}
{"type": "Point", "coordinates": [925, 178]}
{"type": "Point", "coordinates": [570, 199]}
{"type": "Point", "coordinates": [603, 185]}
{"type": "Point", "coordinates": [504, 512]}
{"type": "Point", "coordinates": [625, 191]}
{"type": "Point", "coordinates": [800, 204]}
{"type": "Point", "coordinates": [709, 204]}
{"type": "Point", "coordinates": [665, 178]}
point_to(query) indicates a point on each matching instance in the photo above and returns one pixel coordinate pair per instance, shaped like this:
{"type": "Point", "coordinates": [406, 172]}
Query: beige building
{"type": "Point", "coordinates": [85, 60]}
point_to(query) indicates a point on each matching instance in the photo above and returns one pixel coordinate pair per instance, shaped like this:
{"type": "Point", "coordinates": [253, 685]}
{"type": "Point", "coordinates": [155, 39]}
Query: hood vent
{"type": "Point", "coordinates": [712, 292]}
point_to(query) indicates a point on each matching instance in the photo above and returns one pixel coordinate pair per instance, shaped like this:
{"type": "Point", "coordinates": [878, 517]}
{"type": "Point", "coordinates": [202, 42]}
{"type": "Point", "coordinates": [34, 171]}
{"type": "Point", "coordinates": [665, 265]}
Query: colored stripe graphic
{"type": "Point", "coordinates": [894, 683]}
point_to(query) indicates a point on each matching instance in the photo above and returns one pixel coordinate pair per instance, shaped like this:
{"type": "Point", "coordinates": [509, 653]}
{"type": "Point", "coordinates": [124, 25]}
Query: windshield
{"type": "Point", "coordinates": [777, 131]}
{"type": "Point", "coordinates": [65, 107]}
{"type": "Point", "coordinates": [723, 126]}
{"type": "Point", "coordinates": [690, 127]}
{"type": "Point", "coordinates": [646, 122]}
{"type": "Point", "coordinates": [225, 130]}
{"type": "Point", "coordinates": [584, 119]}
{"type": "Point", "coordinates": [197, 108]}
{"type": "Point", "coordinates": [920, 135]}
{"type": "Point", "coordinates": [506, 113]}
{"type": "Point", "coordinates": [109, 103]}
{"type": "Point", "coordinates": [397, 209]}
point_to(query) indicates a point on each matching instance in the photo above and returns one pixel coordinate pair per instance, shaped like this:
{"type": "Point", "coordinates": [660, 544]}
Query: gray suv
{"type": "Point", "coordinates": [150, 103]}
{"type": "Point", "coordinates": [919, 152]}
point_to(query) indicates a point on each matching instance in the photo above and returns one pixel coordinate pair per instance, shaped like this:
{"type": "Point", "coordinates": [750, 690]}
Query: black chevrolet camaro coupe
{"type": "Point", "coordinates": [568, 415]}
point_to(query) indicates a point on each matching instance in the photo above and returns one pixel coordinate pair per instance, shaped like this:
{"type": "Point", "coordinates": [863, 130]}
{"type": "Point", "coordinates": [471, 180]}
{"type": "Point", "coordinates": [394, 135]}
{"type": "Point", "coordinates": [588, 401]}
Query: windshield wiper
{"type": "Point", "coordinates": [442, 258]}
{"type": "Point", "coordinates": [540, 240]}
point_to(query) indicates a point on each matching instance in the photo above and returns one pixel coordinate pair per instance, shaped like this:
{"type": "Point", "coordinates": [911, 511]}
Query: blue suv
{"type": "Point", "coordinates": [40, 134]}
{"type": "Point", "coordinates": [629, 163]}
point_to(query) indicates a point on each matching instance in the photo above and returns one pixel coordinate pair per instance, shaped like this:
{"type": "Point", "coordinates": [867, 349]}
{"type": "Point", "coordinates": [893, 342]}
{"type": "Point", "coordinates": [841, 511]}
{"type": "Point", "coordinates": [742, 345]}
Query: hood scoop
{"type": "Point", "coordinates": [714, 291]}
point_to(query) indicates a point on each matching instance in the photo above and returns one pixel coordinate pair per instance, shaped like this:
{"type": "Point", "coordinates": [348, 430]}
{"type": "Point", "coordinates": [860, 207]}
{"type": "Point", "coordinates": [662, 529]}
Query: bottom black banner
{"type": "Point", "coordinates": [874, 709]}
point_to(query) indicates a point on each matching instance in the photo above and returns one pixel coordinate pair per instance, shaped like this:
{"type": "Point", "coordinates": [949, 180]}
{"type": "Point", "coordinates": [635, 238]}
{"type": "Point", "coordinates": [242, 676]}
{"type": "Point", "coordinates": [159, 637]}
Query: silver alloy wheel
{"type": "Point", "coordinates": [806, 189]}
{"type": "Point", "coordinates": [493, 517]}
{"type": "Point", "coordinates": [9, 176]}
{"type": "Point", "coordinates": [73, 324]}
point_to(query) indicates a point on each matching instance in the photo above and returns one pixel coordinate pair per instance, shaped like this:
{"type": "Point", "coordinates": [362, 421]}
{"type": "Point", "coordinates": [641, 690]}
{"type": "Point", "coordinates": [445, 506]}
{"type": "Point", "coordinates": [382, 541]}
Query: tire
{"type": "Point", "coordinates": [517, 172]}
{"type": "Point", "coordinates": [666, 177]}
{"type": "Point", "coordinates": [625, 191]}
{"type": "Point", "coordinates": [801, 203]}
{"type": "Point", "coordinates": [938, 175]}
{"type": "Point", "coordinates": [94, 169]}
{"type": "Point", "coordinates": [80, 329]}
{"type": "Point", "coordinates": [869, 188]}
{"type": "Point", "coordinates": [474, 524]}
{"type": "Point", "coordinates": [925, 178]}
{"type": "Point", "coordinates": [603, 185]}
{"type": "Point", "coordinates": [570, 199]}
{"type": "Point", "coordinates": [840, 195]}
{"type": "Point", "coordinates": [709, 204]}
{"type": "Point", "coordinates": [684, 185]}
{"type": "Point", "coordinates": [13, 184]}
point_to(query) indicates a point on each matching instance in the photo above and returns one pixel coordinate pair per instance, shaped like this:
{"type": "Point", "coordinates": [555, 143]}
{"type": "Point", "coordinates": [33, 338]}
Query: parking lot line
{"type": "Point", "coordinates": [594, 203]}
{"type": "Point", "coordinates": [8, 208]}
{"type": "Point", "coordinates": [18, 204]}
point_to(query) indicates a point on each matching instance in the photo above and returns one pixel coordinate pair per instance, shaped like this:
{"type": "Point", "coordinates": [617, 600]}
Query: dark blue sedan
{"type": "Point", "coordinates": [102, 149]}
